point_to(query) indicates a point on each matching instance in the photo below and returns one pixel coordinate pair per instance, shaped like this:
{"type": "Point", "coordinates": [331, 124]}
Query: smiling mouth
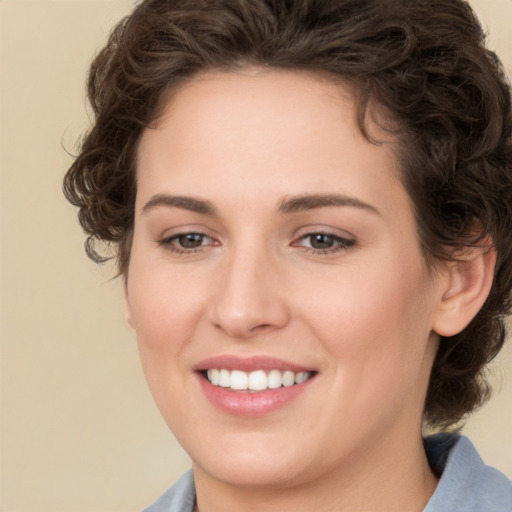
{"type": "Point", "coordinates": [258, 380]}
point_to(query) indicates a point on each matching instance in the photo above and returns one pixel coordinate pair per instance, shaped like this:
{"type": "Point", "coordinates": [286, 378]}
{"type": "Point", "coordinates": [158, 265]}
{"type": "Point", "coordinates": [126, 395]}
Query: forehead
{"type": "Point", "coordinates": [252, 98]}
{"type": "Point", "coordinates": [292, 130]}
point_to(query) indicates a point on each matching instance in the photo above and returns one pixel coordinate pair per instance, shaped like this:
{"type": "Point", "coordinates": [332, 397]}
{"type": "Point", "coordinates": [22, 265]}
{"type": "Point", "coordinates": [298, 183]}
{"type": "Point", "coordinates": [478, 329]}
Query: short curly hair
{"type": "Point", "coordinates": [423, 61]}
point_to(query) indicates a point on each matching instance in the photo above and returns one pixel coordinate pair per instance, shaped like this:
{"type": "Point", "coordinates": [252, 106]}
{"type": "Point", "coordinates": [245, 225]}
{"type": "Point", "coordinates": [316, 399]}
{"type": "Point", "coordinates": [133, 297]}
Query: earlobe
{"type": "Point", "coordinates": [468, 285]}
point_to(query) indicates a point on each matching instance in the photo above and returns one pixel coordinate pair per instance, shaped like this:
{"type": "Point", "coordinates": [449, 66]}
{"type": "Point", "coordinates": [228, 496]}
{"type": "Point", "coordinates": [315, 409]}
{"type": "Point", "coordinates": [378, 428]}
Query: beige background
{"type": "Point", "coordinates": [79, 431]}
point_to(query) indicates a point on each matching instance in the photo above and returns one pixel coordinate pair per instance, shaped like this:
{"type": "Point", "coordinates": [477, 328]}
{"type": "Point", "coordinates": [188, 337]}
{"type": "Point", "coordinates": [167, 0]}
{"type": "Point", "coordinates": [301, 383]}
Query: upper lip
{"type": "Point", "coordinates": [249, 363]}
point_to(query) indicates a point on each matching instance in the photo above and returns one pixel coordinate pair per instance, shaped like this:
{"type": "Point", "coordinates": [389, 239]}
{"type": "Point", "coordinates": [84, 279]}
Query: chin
{"type": "Point", "coordinates": [252, 472]}
{"type": "Point", "coordinates": [253, 462]}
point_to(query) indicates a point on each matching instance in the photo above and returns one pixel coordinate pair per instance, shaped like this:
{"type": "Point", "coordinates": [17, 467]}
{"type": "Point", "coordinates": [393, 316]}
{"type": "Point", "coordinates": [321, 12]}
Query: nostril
{"type": "Point", "coordinates": [242, 330]}
{"type": "Point", "coordinates": [262, 327]}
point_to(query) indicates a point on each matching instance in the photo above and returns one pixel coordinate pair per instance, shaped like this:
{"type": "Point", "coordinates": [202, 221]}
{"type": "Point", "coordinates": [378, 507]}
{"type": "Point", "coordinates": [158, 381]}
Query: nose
{"type": "Point", "coordinates": [249, 298]}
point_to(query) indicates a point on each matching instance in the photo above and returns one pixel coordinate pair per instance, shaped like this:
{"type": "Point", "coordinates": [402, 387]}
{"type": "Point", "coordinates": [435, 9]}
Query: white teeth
{"type": "Point", "coordinates": [288, 379]}
{"type": "Point", "coordinates": [239, 380]}
{"type": "Point", "coordinates": [225, 378]}
{"type": "Point", "coordinates": [274, 379]}
{"type": "Point", "coordinates": [213, 377]}
{"type": "Point", "coordinates": [301, 377]}
{"type": "Point", "coordinates": [257, 380]}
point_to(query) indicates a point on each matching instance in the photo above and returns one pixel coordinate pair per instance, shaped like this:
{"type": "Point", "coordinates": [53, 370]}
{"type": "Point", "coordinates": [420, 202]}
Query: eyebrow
{"type": "Point", "coordinates": [186, 203]}
{"type": "Point", "coordinates": [312, 201]}
{"type": "Point", "coordinates": [290, 205]}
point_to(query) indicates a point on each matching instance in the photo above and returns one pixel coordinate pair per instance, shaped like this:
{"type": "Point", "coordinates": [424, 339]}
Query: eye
{"type": "Point", "coordinates": [186, 242]}
{"type": "Point", "coordinates": [322, 243]}
{"type": "Point", "coordinates": [190, 240]}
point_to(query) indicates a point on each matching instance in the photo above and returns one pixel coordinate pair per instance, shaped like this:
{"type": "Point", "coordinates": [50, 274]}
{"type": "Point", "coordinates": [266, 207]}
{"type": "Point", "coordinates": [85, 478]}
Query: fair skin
{"type": "Point", "coordinates": [270, 234]}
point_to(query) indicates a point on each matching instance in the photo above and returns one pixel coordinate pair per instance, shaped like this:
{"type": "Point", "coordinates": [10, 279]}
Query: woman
{"type": "Point", "coordinates": [311, 204]}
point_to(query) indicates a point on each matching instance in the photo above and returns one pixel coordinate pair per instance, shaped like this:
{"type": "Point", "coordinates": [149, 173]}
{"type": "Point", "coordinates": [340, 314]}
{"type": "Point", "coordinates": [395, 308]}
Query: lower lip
{"type": "Point", "coordinates": [250, 404]}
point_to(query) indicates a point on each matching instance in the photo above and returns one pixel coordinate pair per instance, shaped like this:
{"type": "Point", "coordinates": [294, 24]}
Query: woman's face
{"type": "Point", "coordinates": [273, 242]}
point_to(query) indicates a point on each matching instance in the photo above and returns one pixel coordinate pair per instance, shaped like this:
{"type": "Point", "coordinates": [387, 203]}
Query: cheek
{"type": "Point", "coordinates": [354, 305]}
{"type": "Point", "coordinates": [163, 311]}
{"type": "Point", "coordinates": [376, 327]}
{"type": "Point", "coordinates": [160, 322]}
{"type": "Point", "coordinates": [164, 304]}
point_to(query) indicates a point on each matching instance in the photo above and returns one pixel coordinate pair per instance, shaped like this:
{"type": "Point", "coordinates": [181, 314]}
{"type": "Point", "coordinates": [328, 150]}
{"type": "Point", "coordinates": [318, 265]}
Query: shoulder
{"type": "Point", "coordinates": [466, 483]}
{"type": "Point", "coordinates": [180, 497]}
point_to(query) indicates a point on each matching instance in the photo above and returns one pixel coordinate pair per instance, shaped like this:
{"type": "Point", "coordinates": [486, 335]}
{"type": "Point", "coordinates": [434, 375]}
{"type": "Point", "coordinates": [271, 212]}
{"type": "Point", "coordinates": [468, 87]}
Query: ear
{"type": "Point", "coordinates": [127, 306]}
{"type": "Point", "coordinates": [469, 281]}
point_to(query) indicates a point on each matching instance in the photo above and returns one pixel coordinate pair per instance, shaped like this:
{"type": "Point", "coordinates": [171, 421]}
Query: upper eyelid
{"type": "Point", "coordinates": [324, 230]}
{"type": "Point", "coordinates": [174, 236]}
{"type": "Point", "coordinates": [184, 229]}
{"type": "Point", "coordinates": [338, 238]}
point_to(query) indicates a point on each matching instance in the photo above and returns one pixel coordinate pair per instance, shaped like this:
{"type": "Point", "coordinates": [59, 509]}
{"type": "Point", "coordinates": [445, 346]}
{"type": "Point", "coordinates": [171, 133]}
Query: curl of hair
{"type": "Point", "coordinates": [423, 61]}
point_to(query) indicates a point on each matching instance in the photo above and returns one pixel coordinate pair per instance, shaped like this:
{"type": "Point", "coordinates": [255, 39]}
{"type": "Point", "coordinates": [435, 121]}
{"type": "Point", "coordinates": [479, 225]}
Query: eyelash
{"type": "Point", "coordinates": [168, 243]}
{"type": "Point", "coordinates": [340, 244]}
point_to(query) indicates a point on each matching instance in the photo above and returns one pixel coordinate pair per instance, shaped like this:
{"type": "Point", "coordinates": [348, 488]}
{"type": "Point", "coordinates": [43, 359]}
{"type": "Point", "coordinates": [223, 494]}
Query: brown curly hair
{"type": "Point", "coordinates": [424, 61]}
